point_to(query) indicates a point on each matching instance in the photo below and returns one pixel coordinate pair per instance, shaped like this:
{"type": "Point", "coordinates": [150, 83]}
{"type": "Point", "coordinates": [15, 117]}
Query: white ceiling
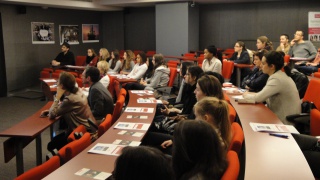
{"type": "Point", "coordinates": [111, 5]}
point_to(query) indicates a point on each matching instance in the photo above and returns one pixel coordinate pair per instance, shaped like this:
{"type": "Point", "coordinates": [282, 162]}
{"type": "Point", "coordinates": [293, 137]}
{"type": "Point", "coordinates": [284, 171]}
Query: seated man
{"type": "Point", "coordinates": [66, 57]}
{"type": "Point", "coordinates": [303, 49]}
{"type": "Point", "coordinates": [309, 67]}
{"type": "Point", "coordinates": [99, 98]}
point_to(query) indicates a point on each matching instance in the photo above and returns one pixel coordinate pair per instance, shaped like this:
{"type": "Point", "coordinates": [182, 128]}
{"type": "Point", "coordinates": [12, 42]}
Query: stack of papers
{"type": "Point", "coordinates": [132, 126]}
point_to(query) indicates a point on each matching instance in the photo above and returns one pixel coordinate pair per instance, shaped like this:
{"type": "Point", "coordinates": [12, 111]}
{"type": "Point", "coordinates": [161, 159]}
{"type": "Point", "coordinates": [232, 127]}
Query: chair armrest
{"type": "Point", "coordinates": [299, 118]}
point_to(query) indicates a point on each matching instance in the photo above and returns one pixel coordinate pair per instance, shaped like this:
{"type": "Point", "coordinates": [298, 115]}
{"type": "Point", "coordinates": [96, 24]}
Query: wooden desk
{"type": "Point", "coordinates": [239, 67]}
{"type": "Point", "coordinates": [101, 162]}
{"type": "Point", "coordinates": [47, 88]}
{"type": "Point", "coordinates": [268, 157]}
{"type": "Point", "coordinates": [293, 60]}
{"type": "Point", "coordinates": [184, 58]}
{"type": "Point", "coordinates": [22, 134]}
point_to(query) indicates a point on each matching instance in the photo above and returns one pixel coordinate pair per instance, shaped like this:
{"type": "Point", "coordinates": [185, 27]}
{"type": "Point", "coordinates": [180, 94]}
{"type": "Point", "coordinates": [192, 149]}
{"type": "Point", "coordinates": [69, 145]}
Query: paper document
{"type": "Point", "coordinates": [50, 80]}
{"type": "Point", "coordinates": [131, 133]}
{"type": "Point", "coordinates": [149, 100]}
{"type": "Point", "coordinates": [279, 128]}
{"type": "Point", "coordinates": [126, 142]}
{"type": "Point", "coordinates": [89, 173]}
{"type": "Point", "coordinates": [142, 92]}
{"type": "Point", "coordinates": [107, 149]}
{"type": "Point", "coordinates": [139, 110]}
{"type": "Point", "coordinates": [132, 126]}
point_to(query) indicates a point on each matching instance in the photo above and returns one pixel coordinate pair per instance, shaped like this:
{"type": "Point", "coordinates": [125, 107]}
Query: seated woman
{"type": "Point", "coordinates": [211, 63]}
{"type": "Point", "coordinates": [127, 63]}
{"type": "Point", "coordinates": [104, 55]}
{"type": "Point", "coordinates": [280, 92]}
{"type": "Point", "coordinates": [189, 99]}
{"type": "Point", "coordinates": [91, 58]}
{"type": "Point", "coordinates": [264, 43]}
{"type": "Point", "coordinates": [183, 69]}
{"type": "Point", "coordinates": [256, 80]}
{"type": "Point", "coordinates": [240, 56]}
{"type": "Point", "coordinates": [159, 78]}
{"type": "Point", "coordinates": [142, 162]}
{"type": "Point", "coordinates": [72, 107]}
{"type": "Point", "coordinates": [115, 62]}
{"type": "Point", "coordinates": [197, 151]}
{"type": "Point", "coordinates": [140, 68]}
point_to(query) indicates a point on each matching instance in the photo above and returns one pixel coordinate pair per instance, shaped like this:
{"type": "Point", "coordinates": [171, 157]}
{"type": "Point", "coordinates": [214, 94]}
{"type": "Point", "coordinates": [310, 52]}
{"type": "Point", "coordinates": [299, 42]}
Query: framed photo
{"type": "Point", "coordinates": [69, 34]}
{"type": "Point", "coordinates": [42, 32]}
{"type": "Point", "coordinates": [90, 33]}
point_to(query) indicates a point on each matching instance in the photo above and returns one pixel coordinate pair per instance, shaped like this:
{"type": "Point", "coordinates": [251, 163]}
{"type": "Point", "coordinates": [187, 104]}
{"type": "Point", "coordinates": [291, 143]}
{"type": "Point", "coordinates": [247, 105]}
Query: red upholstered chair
{"type": "Point", "coordinates": [73, 148]}
{"type": "Point", "coordinates": [123, 92]}
{"type": "Point", "coordinates": [79, 82]}
{"type": "Point", "coordinates": [228, 53]}
{"type": "Point", "coordinates": [172, 63]}
{"type": "Point", "coordinates": [79, 129]}
{"type": "Point", "coordinates": [200, 60]}
{"type": "Point", "coordinates": [150, 53]}
{"type": "Point", "coordinates": [94, 61]}
{"type": "Point", "coordinates": [45, 74]}
{"type": "Point", "coordinates": [81, 60]}
{"type": "Point", "coordinates": [189, 54]}
{"type": "Point", "coordinates": [135, 52]}
{"type": "Point", "coordinates": [226, 97]}
{"type": "Point", "coordinates": [55, 75]}
{"type": "Point", "coordinates": [116, 87]}
{"type": "Point", "coordinates": [117, 109]}
{"type": "Point", "coordinates": [315, 122]}
{"type": "Point", "coordinates": [237, 138]}
{"type": "Point", "coordinates": [42, 170]}
{"type": "Point", "coordinates": [232, 113]}
{"type": "Point", "coordinates": [111, 86]}
{"type": "Point", "coordinates": [227, 69]}
{"type": "Point", "coordinates": [74, 74]}
{"type": "Point", "coordinates": [105, 125]}
{"type": "Point", "coordinates": [232, 171]}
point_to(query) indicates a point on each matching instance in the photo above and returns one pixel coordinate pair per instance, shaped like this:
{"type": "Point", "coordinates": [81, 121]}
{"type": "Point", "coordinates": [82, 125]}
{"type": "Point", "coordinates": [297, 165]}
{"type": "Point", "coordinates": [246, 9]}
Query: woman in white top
{"type": "Point", "coordinates": [140, 68]}
{"type": "Point", "coordinates": [280, 92]}
{"type": "Point", "coordinates": [211, 63]}
{"type": "Point", "coordinates": [103, 67]}
{"type": "Point", "coordinates": [115, 63]}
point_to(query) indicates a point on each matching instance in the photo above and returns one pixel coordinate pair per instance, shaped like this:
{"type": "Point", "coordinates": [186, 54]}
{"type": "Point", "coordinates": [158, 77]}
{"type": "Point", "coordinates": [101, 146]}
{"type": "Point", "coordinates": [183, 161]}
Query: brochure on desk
{"type": "Point", "coordinates": [139, 110]}
{"type": "Point", "coordinates": [279, 128]}
{"type": "Point", "coordinates": [132, 126]}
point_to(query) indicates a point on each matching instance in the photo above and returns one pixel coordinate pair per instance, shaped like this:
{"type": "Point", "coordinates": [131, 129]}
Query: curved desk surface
{"type": "Point", "coordinates": [100, 162]}
{"type": "Point", "coordinates": [269, 157]}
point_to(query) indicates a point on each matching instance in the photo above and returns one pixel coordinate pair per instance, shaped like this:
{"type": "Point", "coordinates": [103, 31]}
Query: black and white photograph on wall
{"type": "Point", "coordinates": [42, 32]}
{"type": "Point", "coordinates": [90, 33]}
{"type": "Point", "coordinates": [69, 34]}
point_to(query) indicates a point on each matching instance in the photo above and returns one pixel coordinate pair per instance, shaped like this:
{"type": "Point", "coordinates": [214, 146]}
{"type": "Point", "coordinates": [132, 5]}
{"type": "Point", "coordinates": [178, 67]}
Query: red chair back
{"type": "Point", "coordinates": [105, 125]}
{"type": "Point", "coordinates": [73, 148]}
{"type": "Point", "coordinates": [81, 60]}
{"type": "Point", "coordinates": [94, 61]}
{"type": "Point", "coordinates": [150, 53]}
{"type": "Point", "coordinates": [45, 74]}
{"type": "Point", "coordinates": [237, 138]}
{"type": "Point", "coordinates": [233, 169]}
{"type": "Point", "coordinates": [232, 113]}
{"type": "Point", "coordinates": [123, 92]}
{"type": "Point", "coordinates": [173, 74]}
{"type": "Point", "coordinates": [189, 54]}
{"type": "Point", "coordinates": [117, 109]}
{"type": "Point", "coordinates": [227, 69]}
{"type": "Point", "coordinates": [315, 122]}
{"type": "Point", "coordinates": [79, 82]}
{"type": "Point", "coordinates": [42, 170]}
{"type": "Point", "coordinates": [312, 92]}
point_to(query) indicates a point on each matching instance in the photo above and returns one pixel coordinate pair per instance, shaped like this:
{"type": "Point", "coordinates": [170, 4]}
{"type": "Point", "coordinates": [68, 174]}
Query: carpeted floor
{"type": "Point", "coordinates": [12, 111]}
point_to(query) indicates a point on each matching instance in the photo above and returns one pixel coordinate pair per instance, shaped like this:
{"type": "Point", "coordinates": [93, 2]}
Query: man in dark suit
{"type": "Point", "coordinates": [99, 98]}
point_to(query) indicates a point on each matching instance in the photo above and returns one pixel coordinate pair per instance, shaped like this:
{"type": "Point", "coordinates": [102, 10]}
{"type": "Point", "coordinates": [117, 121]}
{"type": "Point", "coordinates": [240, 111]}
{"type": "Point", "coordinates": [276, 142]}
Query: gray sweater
{"type": "Point", "coordinates": [159, 78]}
{"type": "Point", "coordinates": [303, 50]}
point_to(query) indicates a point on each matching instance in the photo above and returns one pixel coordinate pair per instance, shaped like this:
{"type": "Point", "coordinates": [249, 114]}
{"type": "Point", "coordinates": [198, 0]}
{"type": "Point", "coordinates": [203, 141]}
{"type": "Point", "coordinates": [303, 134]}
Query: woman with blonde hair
{"type": "Point", "coordinates": [103, 67]}
{"type": "Point", "coordinates": [128, 62]}
{"type": "Point", "coordinates": [104, 55]}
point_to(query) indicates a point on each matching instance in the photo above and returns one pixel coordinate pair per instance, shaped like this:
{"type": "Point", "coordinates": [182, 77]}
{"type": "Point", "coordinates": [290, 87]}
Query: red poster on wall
{"type": "Point", "coordinates": [314, 26]}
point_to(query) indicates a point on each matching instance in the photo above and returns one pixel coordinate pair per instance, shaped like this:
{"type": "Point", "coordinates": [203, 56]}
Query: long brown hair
{"type": "Point", "coordinates": [219, 110]}
{"type": "Point", "coordinates": [127, 62]}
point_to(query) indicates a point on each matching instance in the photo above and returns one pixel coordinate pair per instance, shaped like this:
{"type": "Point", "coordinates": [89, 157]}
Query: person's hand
{"type": "Point", "coordinates": [166, 144]}
{"type": "Point", "coordinates": [60, 92]}
{"type": "Point", "coordinates": [298, 63]}
{"type": "Point", "coordinates": [165, 110]}
{"type": "Point", "coordinates": [44, 113]}
{"type": "Point", "coordinates": [282, 45]}
{"type": "Point", "coordinates": [311, 64]}
{"type": "Point", "coordinates": [292, 42]}
{"type": "Point", "coordinates": [165, 102]}
{"type": "Point", "coordinates": [55, 63]}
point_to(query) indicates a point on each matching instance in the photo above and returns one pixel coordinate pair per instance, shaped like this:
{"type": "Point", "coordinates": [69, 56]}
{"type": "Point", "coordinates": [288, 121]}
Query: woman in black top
{"type": "Point", "coordinates": [256, 80]}
{"type": "Point", "coordinates": [90, 56]}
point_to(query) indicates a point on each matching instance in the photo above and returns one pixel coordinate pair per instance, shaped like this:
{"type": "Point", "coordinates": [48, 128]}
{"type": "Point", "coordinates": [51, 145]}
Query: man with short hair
{"type": "Point", "coordinates": [303, 49]}
{"type": "Point", "coordinates": [66, 57]}
{"type": "Point", "coordinates": [99, 98]}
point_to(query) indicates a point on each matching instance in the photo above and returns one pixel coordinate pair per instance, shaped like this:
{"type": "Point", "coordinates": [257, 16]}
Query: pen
{"type": "Point", "coordinates": [279, 135]}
